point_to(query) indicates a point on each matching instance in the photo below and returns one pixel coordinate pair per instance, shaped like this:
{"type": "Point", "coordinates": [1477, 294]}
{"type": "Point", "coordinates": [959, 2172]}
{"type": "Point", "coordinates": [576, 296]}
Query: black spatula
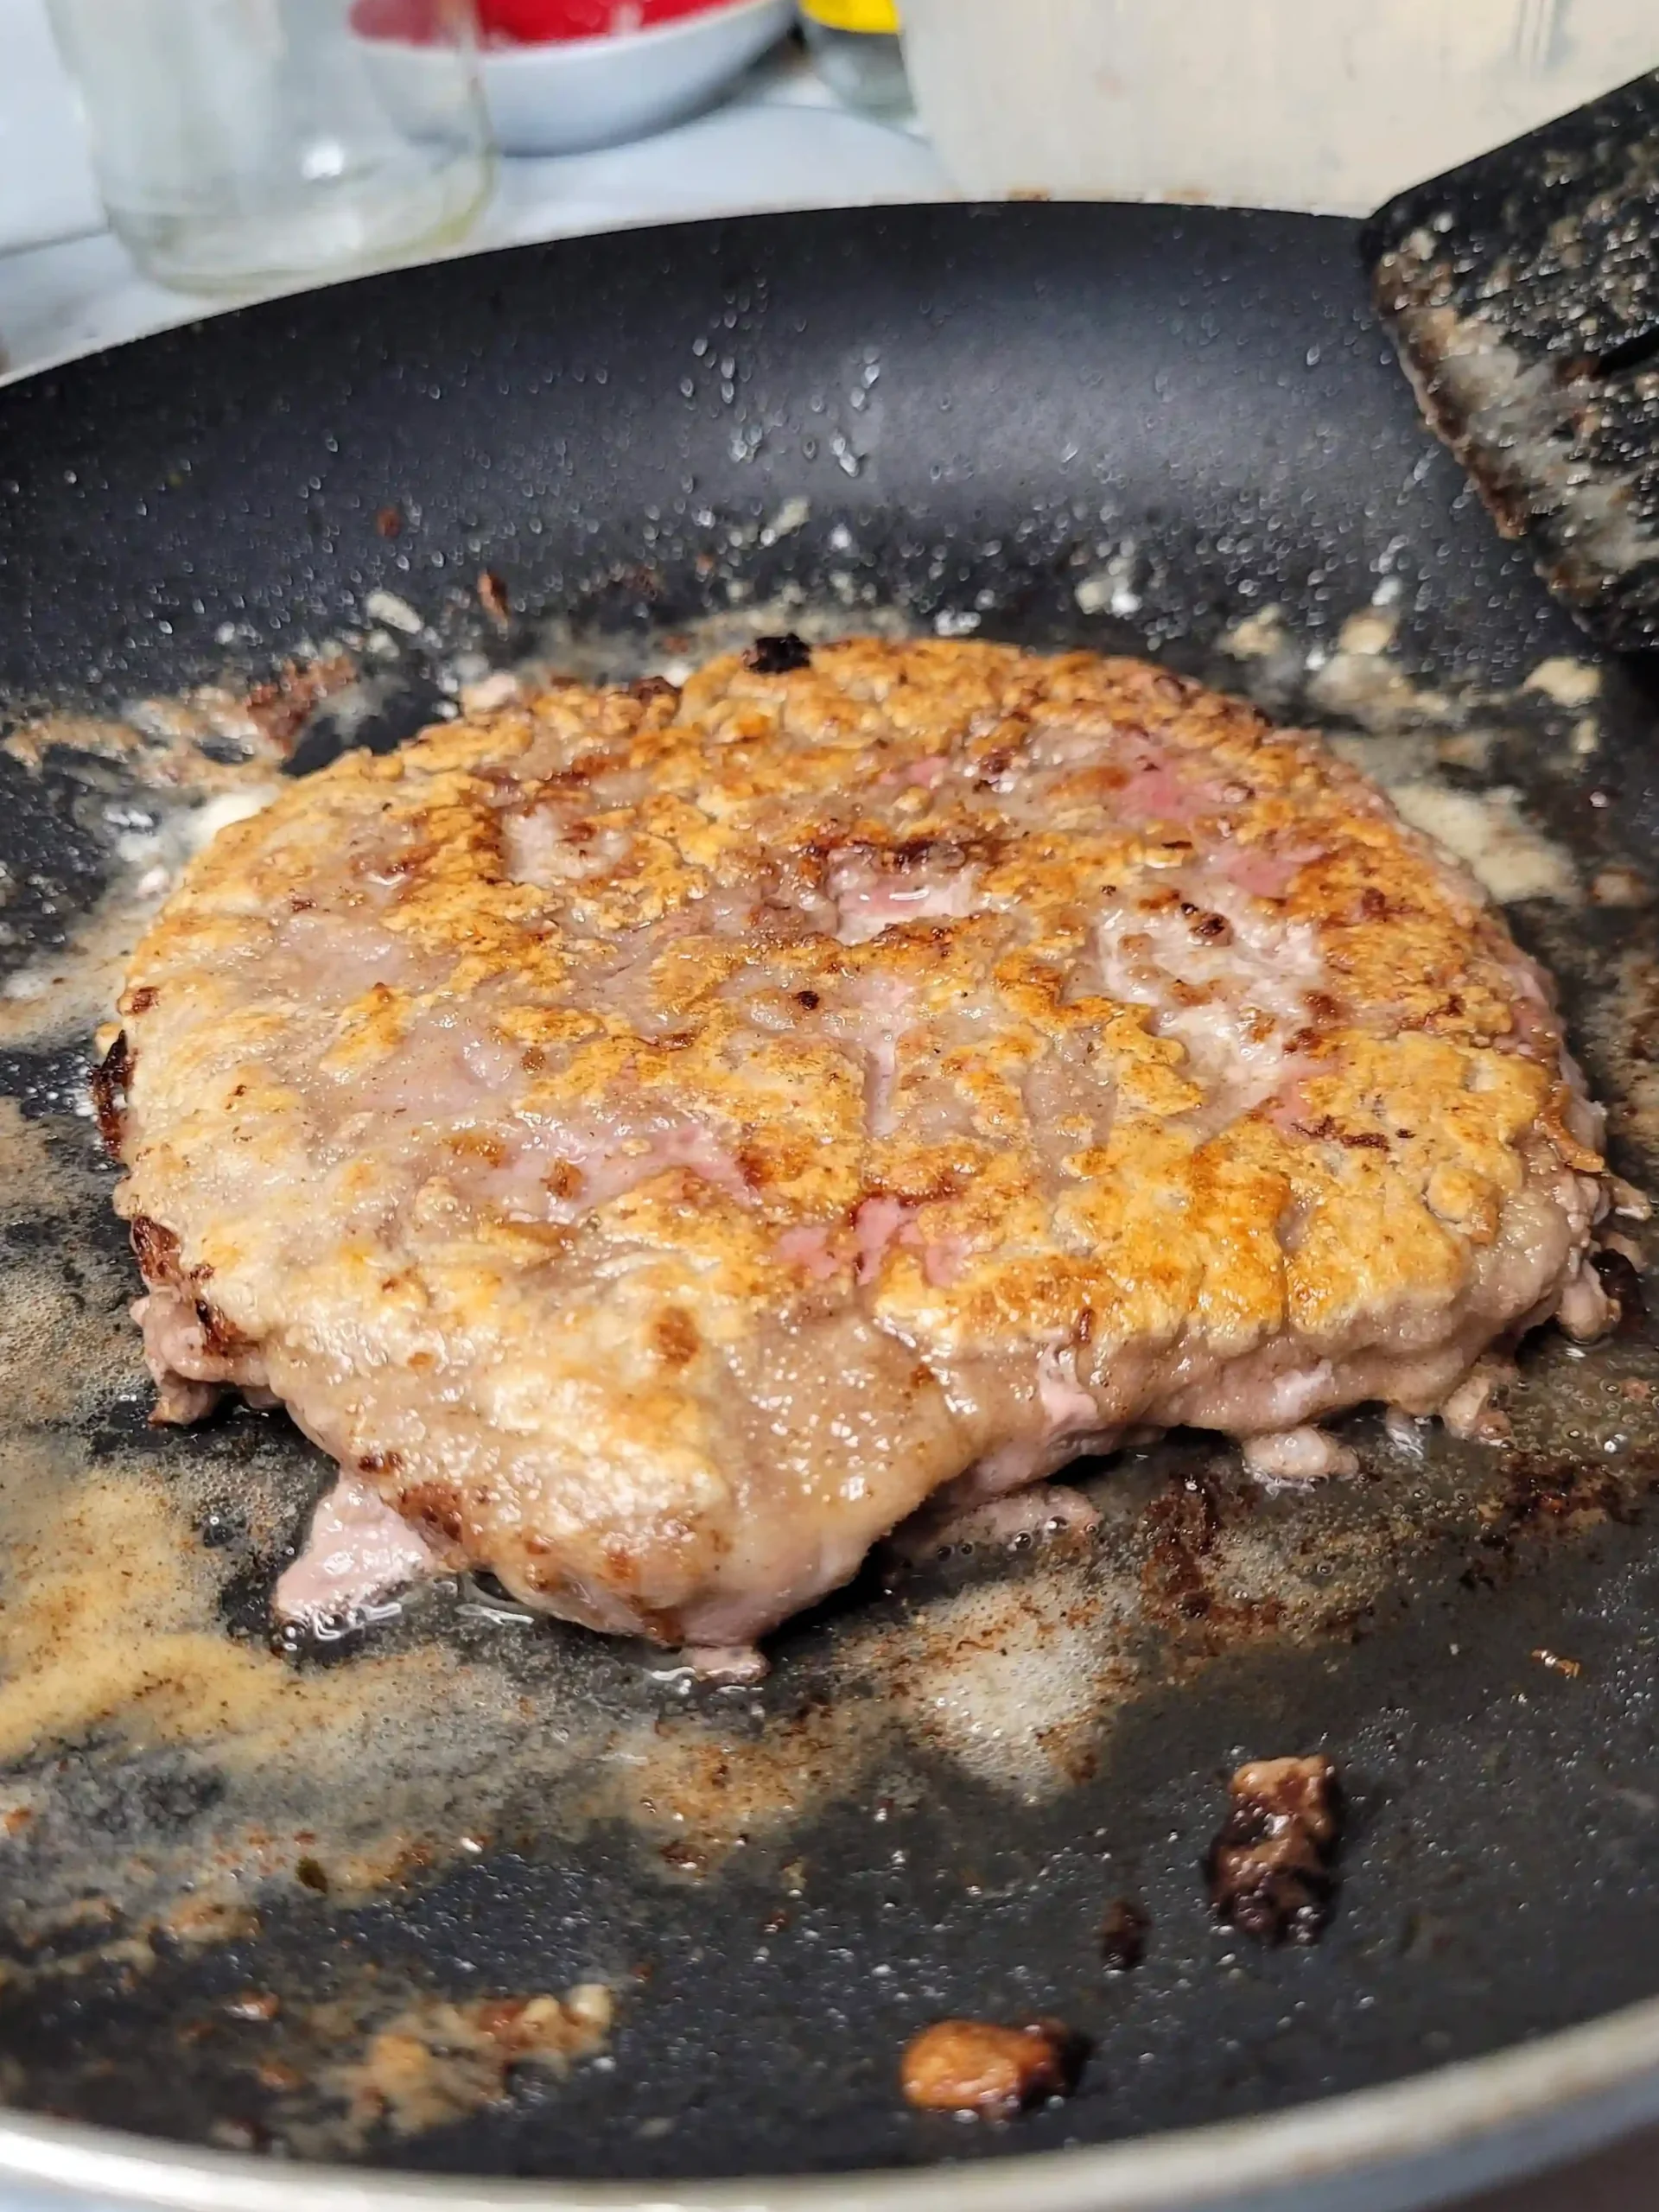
{"type": "Point", "coordinates": [1523, 293]}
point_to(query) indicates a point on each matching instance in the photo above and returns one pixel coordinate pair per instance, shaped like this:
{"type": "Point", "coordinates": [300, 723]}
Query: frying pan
{"type": "Point", "coordinates": [1126, 428]}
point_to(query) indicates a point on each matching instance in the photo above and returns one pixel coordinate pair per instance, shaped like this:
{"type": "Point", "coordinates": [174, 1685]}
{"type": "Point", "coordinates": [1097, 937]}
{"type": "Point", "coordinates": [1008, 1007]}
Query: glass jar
{"type": "Point", "coordinates": [855, 45]}
{"type": "Point", "coordinates": [244, 145]}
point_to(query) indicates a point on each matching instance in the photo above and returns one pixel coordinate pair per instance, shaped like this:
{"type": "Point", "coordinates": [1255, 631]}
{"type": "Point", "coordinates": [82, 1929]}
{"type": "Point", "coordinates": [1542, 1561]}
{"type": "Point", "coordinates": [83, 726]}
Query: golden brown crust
{"type": "Point", "coordinates": [981, 2067]}
{"type": "Point", "coordinates": [645, 1023]}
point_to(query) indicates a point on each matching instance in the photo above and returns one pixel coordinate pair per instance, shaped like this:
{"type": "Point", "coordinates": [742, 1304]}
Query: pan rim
{"type": "Point", "coordinates": [1476, 2123]}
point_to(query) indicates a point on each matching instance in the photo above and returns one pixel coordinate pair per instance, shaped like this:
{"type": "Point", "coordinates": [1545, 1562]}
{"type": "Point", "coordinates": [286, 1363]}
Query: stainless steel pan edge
{"type": "Point", "coordinates": [1410, 2145]}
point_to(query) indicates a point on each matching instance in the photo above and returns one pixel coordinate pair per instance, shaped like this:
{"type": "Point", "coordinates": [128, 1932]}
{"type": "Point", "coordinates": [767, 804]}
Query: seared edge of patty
{"type": "Point", "coordinates": [661, 1142]}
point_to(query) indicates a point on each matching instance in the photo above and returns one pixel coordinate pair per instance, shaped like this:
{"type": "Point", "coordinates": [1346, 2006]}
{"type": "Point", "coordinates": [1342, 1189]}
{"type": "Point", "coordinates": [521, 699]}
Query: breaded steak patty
{"type": "Point", "coordinates": [657, 1140]}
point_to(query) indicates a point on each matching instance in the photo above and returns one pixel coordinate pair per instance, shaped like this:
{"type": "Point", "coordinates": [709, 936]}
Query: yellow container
{"type": "Point", "coordinates": [855, 45]}
{"type": "Point", "coordinates": [871, 16]}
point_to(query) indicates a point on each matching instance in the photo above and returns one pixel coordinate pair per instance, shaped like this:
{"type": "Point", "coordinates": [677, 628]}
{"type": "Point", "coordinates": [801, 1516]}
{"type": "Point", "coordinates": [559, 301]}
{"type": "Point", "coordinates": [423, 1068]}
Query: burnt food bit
{"type": "Point", "coordinates": [1621, 1283]}
{"type": "Point", "coordinates": [1269, 1870]}
{"type": "Point", "coordinates": [108, 1084]}
{"type": "Point", "coordinates": [977, 2066]}
{"type": "Point", "coordinates": [778, 656]}
{"type": "Point", "coordinates": [1123, 1936]}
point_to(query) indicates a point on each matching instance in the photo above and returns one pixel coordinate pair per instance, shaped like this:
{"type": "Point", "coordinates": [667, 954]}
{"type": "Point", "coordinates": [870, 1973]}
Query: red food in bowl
{"type": "Point", "coordinates": [523, 23]}
{"type": "Point", "coordinates": [532, 23]}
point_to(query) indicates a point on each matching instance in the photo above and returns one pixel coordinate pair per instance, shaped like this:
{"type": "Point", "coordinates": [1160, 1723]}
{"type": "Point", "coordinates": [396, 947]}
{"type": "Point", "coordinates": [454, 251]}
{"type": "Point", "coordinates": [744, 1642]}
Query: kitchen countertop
{"type": "Point", "coordinates": [780, 142]}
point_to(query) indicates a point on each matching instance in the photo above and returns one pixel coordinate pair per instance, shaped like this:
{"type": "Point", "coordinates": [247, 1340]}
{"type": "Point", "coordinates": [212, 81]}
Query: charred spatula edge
{"type": "Point", "coordinates": [1522, 291]}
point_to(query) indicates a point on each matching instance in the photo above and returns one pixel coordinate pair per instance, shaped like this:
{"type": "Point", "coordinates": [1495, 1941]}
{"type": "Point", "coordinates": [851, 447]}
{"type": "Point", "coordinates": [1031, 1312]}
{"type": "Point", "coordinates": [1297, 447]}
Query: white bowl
{"type": "Point", "coordinates": [572, 94]}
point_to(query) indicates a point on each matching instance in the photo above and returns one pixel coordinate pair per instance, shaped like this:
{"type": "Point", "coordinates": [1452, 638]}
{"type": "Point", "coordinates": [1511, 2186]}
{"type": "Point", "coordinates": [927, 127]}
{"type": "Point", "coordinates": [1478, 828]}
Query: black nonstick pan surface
{"type": "Point", "coordinates": [225, 1868]}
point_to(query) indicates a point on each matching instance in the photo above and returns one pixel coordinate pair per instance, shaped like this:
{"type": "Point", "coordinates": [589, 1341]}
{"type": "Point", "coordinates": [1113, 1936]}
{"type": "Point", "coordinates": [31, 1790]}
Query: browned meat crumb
{"type": "Point", "coordinates": [1468, 1412]}
{"type": "Point", "coordinates": [1558, 1664]}
{"type": "Point", "coordinates": [1269, 1869]}
{"type": "Point", "coordinates": [281, 708]}
{"type": "Point", "coordinates": [438, 2061]}
{"type": "Point", "coordinates": [1123, 1936]}
{"type": "Point", "coordinates": [493, 598]}
{"type": "Point", "coordinates": [977, 2066]}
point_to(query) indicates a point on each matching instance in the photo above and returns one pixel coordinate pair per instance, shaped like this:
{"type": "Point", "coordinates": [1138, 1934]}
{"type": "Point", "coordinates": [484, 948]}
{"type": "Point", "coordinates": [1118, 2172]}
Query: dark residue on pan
{"type": "Point", "coordinates": [1123, 1936]}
